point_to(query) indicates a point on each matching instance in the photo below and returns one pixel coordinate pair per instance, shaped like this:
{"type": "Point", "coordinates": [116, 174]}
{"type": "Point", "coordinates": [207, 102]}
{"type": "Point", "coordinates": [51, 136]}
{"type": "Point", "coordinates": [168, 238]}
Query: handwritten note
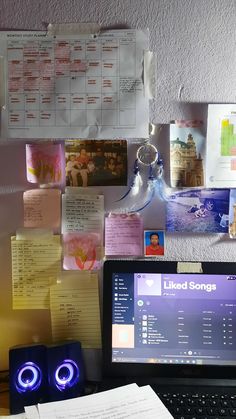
{"type": "Point", "coordinates": [127, 401]}
{"type": "Point", "coordinates": [35, 264]}
{"type": "Point", "coordinates": [45, 163]}
{"type": "Point", "coordinates": [82, 212]}
{"type": "Point", "coordinates": [75, 311]}
{"type": "Point", "coordinates": [82, 251]}
{"type": "Point", "coordinates": [42, 208]}
{"type": "Point", "coordinates": [123, 235]}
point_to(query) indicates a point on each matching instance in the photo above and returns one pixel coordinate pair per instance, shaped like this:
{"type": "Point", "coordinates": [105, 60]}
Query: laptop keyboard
{"type": "Point", "coordinates": [199, 406]}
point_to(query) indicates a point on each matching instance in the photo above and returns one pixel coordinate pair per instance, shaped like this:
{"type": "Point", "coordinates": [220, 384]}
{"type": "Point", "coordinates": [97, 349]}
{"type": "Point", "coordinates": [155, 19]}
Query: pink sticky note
{"type": "Point", "coordinates": [123, 235]}
{"type": "Point", "coordinates": [42, 208]}
{"type": "Point", "coordinates": [82, 251]}
{"type": "Point", "coordinates": [45, 163]}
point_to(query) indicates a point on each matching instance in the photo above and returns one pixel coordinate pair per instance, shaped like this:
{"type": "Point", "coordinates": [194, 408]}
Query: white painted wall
{"type": "Point", "coordinates": [194, 42]}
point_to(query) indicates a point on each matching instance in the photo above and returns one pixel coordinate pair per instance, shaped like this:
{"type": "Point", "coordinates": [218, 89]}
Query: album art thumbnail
{"type": "Point", "coordinates": [96, 162]}
{"type": "Point", "coordinates": [198, 210]}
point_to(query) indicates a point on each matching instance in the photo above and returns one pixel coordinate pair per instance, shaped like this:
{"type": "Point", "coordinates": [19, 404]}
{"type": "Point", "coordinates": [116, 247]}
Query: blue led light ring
{"type": "Point", "coordinates": [66, 374]}
{"type": "Point", "coordinates": [28, 377]}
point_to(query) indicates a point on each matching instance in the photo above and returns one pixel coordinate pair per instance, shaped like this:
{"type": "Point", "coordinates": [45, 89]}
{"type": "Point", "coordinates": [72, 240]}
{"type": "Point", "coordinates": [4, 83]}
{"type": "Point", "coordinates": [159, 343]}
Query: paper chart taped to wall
{"type": "Point", "coordinates": [35, 265]}
{"type": "Point", "coordinates": [75, 86]}
{"type": "Point", "coordinates": [221, 146]}
{"type": "Point", "coordinates": [75, 310]}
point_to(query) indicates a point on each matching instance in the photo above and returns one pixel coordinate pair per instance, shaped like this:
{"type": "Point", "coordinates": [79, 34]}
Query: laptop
{"type": "Point", "coordinates": [173, 330]}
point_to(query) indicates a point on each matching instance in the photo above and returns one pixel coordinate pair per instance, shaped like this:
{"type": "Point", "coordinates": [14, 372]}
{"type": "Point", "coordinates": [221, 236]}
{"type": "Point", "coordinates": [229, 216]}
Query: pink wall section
{"type": "Point", "coordinates": [194, 43]}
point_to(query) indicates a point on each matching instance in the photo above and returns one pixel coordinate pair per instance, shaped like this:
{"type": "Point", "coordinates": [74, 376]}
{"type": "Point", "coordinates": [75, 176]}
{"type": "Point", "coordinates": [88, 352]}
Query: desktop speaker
{"type": "Point", "coordinates": [65, 370]}
{"type": "Point", "coordinates": [27, 376]}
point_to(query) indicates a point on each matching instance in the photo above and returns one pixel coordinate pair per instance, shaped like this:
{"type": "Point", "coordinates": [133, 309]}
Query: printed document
{"type": "Point", "coordinates": [128, 401]}
{"type": "Point", "coordinates": [221, 146]}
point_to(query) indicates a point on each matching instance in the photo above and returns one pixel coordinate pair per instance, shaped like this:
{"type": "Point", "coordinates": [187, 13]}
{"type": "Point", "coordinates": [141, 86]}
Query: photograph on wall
{"type": "Point", "coordinates": [187, 153]}
{"type": "Point", "coordinates": [232, 214]}
{"type": "Point", "coordinates": [221, 146]}
{"type": "Point", "coordinates": [153, 243]}
{"type": "Point", "coordinates": [198, 210]}
{"type": "Point", "coordinates": [96, 162]}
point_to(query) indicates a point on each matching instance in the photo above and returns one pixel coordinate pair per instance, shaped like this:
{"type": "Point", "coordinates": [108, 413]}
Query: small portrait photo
{"type": "Point", "coordinates": [153, 243]}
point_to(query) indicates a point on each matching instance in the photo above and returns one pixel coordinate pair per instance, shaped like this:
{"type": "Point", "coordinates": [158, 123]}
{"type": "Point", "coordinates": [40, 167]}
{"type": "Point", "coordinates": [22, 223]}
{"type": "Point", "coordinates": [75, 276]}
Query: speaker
{"type": "Point", "coordinates": [27, 376]}
{"type": "Point", "coordinates": [65, 370]}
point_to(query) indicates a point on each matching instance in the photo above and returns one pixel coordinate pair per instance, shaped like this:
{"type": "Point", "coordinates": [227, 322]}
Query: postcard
{"type": "Point", "coordinates": [187, 153]}
{"type": "Point", "coordinates": [96, 162]}
{"type": "Point", "coordinates": [198, 210]}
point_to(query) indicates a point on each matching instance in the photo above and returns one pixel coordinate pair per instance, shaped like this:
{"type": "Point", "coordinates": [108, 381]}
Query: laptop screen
{"type": "Point", "coordinates": [173, 318]}
{"type": "Point", "coordinates": [160, 322]}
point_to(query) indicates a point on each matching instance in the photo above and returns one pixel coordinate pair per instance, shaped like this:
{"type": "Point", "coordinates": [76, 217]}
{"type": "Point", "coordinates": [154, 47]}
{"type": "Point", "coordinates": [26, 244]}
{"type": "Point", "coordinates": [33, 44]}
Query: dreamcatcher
{"type": "Point", "coordinates": [148, 167]}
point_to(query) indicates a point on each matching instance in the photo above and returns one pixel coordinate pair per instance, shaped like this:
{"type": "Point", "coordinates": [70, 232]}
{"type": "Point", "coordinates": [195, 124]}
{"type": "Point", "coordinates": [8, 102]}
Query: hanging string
{"type": "Point", "coordinates": [147, 155]}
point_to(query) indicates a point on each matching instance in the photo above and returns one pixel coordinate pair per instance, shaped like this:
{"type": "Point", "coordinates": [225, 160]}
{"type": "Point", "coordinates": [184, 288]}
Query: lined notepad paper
{"type": "Point", "coordinates": [36, 262]}
{"type": "Point", "coordinates": [75, 311]}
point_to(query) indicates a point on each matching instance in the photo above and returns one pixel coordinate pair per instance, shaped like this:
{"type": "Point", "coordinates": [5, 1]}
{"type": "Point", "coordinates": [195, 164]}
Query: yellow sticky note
{"type": "Point", "coordinates": [75, 310]}
{"type": "Point", "coordinates": [35, 265]}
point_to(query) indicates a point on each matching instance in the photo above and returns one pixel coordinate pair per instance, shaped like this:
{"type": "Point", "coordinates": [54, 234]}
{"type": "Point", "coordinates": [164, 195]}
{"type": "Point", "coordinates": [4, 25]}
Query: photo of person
{"type": "Point", "coordinates": [96, 162]}
{"type": "Point", "coordinates": [153, 243]}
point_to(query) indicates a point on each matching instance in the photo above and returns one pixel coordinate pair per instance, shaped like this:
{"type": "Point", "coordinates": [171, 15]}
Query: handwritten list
{"type": "Point", "coordinates": [75, 311]}
{"type": "Point", "coordinates": [123, 235]}
{"type": "Point", "coordinates": [42, 208]}
{"type": "Point", "coordinates": [36, 263]}
{"type": "Point", "coordinates": [82, 212]}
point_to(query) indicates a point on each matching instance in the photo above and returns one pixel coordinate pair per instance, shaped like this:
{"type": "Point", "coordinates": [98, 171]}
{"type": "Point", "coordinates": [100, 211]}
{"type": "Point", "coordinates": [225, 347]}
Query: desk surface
{"type": "Point", "coordinates": [4, 403]}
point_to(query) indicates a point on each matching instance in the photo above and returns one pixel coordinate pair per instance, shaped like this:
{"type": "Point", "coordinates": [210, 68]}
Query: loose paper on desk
{"type": "Point", "coordinates": [82, 213]}
{"type": "Point", "coordinates": [31, 412]}
{"type": "Point", "coordinates": [75, 311]}
{"type": "Point", "coordinates": [42, 208]}
{"type": "Point", "coordinates": [20, 416]}
{"type": "Point", "coordinates": [36, 262]}
{"type": "Point", "coordinates": [123, 235]}
{"type": "Point", "coordinates": [129, 401]}
{"type": "Point", "coordinates": [221, 146]}
{"type": "Point", "coordinates": [75, 86]}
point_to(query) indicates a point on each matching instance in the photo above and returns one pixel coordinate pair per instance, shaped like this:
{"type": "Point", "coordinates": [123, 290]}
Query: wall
{"type": "Point", "coordinates": [194, 42]}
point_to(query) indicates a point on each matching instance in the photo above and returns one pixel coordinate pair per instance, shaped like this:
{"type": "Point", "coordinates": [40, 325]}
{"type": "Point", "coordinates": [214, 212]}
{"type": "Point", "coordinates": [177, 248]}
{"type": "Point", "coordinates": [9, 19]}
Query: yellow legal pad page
{"type": "Point", "coordinates": [35, 266]}
{"type": "Point", "coordinates": [75, 310]}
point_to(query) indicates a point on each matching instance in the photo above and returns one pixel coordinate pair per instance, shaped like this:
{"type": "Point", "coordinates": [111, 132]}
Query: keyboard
{"type": "Point", "coordinates": [197, 405]}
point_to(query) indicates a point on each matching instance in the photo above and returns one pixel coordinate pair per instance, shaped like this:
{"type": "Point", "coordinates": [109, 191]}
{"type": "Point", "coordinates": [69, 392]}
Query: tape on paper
{"type": "Point", "coordinates": [73, 28]}
{"type": "Point", "coordinates": [189, 267]}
